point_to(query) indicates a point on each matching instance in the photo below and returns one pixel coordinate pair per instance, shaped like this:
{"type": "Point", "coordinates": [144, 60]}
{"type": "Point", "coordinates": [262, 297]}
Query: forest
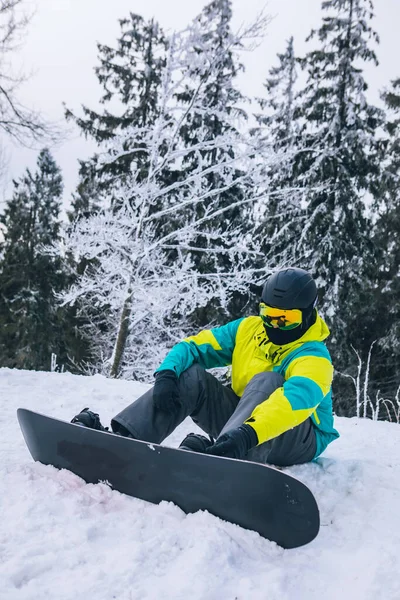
{"type": "Point", "coordinates": [196, 193]}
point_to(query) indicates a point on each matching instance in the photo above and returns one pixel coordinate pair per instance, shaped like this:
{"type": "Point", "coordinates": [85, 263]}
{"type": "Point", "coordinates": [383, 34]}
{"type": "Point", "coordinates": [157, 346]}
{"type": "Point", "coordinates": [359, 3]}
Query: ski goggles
{"type": "Point", "coordinates": [279, 318]}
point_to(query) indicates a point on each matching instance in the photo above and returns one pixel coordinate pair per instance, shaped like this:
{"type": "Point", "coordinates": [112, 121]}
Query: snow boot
{"type": "Point", "coordinates": [196, 443]}
{"type": "Point", "coordinates": [90, 419]}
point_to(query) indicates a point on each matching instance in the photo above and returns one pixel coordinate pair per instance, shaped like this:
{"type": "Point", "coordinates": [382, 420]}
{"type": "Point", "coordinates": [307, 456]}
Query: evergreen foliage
{"type": "Point", "coordinates": [130, 75]}
{"type": "Point", "coordinates": [339, 166]}
{"type": "Point", "coordinates": [210, 72]}
{"type": "Point", "coordinates": [385, 276]}
{"type": "Point", "coordinates": [281, 215]}
{"type": "Point", "coordinates": [32, 328]}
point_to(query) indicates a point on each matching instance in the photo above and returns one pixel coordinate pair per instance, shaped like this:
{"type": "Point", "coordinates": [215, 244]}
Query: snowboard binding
{"type": "Point", "coordinates": [90, 419]}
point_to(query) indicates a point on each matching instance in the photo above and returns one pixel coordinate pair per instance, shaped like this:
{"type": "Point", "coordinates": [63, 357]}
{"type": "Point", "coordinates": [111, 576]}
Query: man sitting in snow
{"type": "Point", "coordinates": [279, 407]}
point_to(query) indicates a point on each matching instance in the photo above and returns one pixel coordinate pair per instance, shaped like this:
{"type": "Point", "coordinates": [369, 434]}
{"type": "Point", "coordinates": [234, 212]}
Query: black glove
{"type": "Point", "coordinates": [166, 391]}
{"type": "Point", "coordinates": [235, 443]}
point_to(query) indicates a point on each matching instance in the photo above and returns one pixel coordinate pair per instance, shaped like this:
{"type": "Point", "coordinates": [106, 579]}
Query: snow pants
{"type": "Point", "coordinates": [216, 409]}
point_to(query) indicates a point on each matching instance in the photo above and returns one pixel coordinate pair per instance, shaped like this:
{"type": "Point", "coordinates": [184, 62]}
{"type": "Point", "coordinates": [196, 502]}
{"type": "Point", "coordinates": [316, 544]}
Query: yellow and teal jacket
{"type": "Point", "coordinates": [305, 365]}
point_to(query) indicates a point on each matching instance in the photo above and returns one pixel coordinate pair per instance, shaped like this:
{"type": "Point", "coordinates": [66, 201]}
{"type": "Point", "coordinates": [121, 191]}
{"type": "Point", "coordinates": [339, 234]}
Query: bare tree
{"type": "Point", "coordinates": [17, 121]}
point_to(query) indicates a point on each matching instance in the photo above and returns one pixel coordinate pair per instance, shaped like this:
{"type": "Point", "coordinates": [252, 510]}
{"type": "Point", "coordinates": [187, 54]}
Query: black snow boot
{"type": "Point", "coordinates": [90, 419]}
{"type": "Point", "coordinates": [196, 443]}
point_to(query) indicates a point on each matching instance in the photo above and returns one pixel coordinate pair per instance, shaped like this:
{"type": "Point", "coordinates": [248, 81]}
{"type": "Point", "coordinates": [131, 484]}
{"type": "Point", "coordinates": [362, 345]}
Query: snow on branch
{"type": "Point", "coordinates": [178, 235]}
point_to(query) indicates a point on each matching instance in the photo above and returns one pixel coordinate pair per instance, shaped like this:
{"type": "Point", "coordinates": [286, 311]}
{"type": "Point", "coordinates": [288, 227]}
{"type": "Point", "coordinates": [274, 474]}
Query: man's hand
{"type": "Point", "coordinates": [166, 391]}
{"type": "Point", "coordinates": [235, 443]}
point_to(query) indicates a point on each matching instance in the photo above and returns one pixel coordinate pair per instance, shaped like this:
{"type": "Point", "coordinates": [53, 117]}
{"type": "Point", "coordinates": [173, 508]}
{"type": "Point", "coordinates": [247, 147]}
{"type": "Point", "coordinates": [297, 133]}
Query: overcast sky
{"type": "Point", "coordinates": [60, 52]}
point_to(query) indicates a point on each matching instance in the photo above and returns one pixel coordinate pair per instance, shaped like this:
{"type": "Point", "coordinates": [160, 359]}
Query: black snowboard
{"type": "Point", "coordinates": [254, 496]}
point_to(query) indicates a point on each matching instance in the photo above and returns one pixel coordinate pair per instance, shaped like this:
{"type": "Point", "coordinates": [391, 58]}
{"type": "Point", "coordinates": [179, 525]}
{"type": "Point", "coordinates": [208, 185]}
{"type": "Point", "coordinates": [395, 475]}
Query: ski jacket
{"type": "Point", "coordinates": [305, 364]}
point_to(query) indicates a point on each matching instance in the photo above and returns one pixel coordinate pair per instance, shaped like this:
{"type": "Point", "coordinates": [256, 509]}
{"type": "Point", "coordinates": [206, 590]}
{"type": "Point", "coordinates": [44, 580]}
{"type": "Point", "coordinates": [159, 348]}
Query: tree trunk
{"type": "Point", "coordinates": [122, 336]}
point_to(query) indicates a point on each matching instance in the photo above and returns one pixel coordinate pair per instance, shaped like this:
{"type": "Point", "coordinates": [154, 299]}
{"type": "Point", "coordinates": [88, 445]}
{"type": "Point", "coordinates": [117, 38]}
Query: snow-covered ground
{"type": "Point", "coordinates": [61, 539]}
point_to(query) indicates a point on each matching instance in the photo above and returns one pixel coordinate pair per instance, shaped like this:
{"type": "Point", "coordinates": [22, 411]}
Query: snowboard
{"type": "Point", "coordinates": [254, 496]}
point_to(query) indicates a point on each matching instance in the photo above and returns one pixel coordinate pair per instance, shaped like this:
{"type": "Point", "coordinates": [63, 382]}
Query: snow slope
{"type": "Point", "coordinates": [61, 539]}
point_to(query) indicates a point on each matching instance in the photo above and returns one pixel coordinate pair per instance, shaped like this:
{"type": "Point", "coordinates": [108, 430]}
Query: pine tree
{"type": "Point", "coordinates": [280, 103]}
{"type": "Point", "coordinates": [338, 169]}
{"type": "Point", "coordinates": [281, 213]}
{"type": "Point", "coordinates": [389, 224]}
{"type": "Point", "coordinates": [212, 67]}
{"type": "Point", "coordinates": [85, 199]}
{"type": "Point", "coordinates": [31, 326]}
{"type": "Point", "coordinates": [385, 292]}
{"type": "Point", "coordinates": [130, 75]}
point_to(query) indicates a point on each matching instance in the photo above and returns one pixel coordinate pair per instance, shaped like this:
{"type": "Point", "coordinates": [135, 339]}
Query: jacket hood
{"type": "Point", "coordinates": [318, 332]}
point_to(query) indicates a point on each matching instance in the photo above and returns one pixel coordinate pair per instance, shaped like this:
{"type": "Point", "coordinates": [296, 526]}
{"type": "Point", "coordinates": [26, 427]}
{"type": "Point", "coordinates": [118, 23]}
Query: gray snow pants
{"type": "Point", "coordinates": [216, 409]}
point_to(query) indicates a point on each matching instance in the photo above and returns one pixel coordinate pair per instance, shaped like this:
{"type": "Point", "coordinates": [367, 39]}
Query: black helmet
{"type": "Point", "coordinates": [290, 288]}
{"type": "Point", "coordinates": [286, 289]}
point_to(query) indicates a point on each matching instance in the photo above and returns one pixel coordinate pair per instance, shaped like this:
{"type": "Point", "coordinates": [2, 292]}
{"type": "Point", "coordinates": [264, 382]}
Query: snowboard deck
{"type": "Point", "coordinates": [257, 497]}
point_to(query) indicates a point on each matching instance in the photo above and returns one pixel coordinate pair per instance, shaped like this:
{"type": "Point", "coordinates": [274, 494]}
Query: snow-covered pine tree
{"type": "Point", "coordinates": [385, 292]}
{"type": "Point", "coordinates": [280, 215]}
{"type": "Point", "coordinates": [130, 75]}
{"type": "Point", "coordinates": [340, 164]}
{"type": "Point", "coordinates": [211, 71]}
{"type": "Point", "coordinates": [389, 224]}
{"type": "Point", "coordinates": [389, 189]}
{"type": "Point", "coordinates": [31, 327]}
{"type": "Point", "coordinates": [86, 198]}
{"type": "Point", "coordinates": [280, 105]}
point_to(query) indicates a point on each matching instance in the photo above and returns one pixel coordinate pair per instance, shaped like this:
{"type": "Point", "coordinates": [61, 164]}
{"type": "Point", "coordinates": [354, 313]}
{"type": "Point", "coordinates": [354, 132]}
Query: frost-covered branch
{"type": "Point", "coordinates": [177, 238]}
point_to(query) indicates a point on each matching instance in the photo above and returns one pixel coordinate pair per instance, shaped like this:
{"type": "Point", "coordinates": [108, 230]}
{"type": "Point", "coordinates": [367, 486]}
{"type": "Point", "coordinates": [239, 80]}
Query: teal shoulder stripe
{"type": "Point", "coordinates": [210, 348]}
{"type": "Point", "coordinates": [317, 349]}
{"type": "Point", "coordinates": [302, 392]}
{"type": "Point", "coordinates": [226, 335]}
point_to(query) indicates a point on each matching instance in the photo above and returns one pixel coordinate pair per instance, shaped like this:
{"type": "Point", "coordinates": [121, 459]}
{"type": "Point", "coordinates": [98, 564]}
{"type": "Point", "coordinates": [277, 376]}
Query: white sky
{"type": "Point", "coordinates": [60, 51]}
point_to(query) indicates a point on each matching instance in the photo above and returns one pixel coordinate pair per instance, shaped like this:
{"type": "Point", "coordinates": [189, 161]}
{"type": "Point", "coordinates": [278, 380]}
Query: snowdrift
{"type": "Point", "coordinates": [65, 540]}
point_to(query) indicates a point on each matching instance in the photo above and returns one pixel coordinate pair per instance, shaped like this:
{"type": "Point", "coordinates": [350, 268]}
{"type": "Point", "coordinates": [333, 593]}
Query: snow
{"type": "Point", "coordinates": [65, 540]}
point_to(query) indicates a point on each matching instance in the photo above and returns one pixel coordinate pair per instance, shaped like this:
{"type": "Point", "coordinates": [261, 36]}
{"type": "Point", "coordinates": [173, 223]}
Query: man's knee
{"type": "Point", "coordinates": [265, 382]}
{"type": "Point", "coordinates": [193, 374]}
{"type": "Point", "coordinates": [193, 383]}
{"type": "Point", "coordinates": [259, 388]}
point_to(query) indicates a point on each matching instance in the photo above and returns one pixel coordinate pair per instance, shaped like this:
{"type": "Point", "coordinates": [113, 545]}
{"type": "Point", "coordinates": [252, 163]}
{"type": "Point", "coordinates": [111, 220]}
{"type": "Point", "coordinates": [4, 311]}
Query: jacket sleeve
{"type": "Point", "coordinates": [307, 381]}
{"type": "Point", "coordinates": [210, 348]}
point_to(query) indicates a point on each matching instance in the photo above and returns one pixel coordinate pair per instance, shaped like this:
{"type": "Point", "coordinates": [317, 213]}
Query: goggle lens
{"type": "Point", "coordinates": [278, 318]}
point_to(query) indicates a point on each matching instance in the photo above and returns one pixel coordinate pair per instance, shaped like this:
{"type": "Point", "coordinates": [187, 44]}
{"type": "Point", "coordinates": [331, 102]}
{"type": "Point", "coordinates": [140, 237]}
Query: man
{"type": "Point", "coordinates": [279, 407]}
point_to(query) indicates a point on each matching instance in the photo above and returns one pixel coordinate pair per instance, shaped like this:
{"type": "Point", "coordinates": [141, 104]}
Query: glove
{"type": "Point", "coordinates": [166, 391]}
{"type": "Point", "coordinates": [235, 443]}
